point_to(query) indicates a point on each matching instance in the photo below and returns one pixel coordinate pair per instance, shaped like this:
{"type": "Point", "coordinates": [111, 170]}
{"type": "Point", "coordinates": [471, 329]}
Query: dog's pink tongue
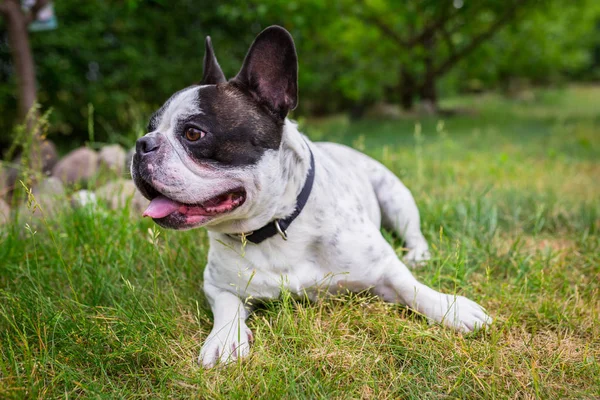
{"type": "Point", "coordinates": [160, 207]}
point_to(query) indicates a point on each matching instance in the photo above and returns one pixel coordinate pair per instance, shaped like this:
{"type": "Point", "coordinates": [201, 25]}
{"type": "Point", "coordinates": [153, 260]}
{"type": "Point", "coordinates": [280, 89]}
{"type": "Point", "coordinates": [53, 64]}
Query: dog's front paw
{"type": "Point", "coordinates": [417, 255]}
{"type": "Point", "coordinates": [463, 315]}
{"type": "Point", "coordinates": [225, 344]}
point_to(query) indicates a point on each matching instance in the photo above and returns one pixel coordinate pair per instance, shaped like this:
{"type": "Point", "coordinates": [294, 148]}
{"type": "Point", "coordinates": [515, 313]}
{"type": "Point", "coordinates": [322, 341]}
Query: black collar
{"type": "Point", "coordinates": [280, 225]}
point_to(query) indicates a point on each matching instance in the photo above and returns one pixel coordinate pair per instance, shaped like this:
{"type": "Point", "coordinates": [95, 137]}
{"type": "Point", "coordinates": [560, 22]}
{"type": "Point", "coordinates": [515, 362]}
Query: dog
{"type": "Point", "coordinates": [282, 212]}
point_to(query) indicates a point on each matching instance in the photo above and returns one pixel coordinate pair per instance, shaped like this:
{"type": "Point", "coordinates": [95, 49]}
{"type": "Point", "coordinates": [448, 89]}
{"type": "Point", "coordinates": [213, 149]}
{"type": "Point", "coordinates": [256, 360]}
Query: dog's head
{"type": "Point", "coordinates": [211, 148]}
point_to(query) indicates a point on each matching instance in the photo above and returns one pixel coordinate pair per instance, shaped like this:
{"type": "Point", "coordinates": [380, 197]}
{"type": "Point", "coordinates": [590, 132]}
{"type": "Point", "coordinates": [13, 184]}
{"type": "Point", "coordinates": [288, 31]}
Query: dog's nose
{"type": "Point", "coordinates": [147, 144]}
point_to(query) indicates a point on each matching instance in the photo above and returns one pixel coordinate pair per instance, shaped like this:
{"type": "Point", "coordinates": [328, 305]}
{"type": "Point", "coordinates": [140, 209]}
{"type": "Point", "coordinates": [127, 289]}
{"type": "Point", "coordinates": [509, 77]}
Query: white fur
{"type": "Point", "coordinates": [335, 243]}
{"type": "Point", "coordinates": [181, 178]}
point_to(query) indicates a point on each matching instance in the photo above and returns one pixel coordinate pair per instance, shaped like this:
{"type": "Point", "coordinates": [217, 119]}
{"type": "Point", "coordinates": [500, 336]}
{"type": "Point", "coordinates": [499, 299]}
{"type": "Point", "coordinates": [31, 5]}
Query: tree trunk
{"type": "Point", "coordinates": [427, 90]}
{"type": "Point", "coordinates": [18, 37]}
{"type": "Point", "coordinates": [428, 94]}
{"type": "Point", "coordinates": [406, 89]}
{"type": "Point", "coordinates": [17, 22]}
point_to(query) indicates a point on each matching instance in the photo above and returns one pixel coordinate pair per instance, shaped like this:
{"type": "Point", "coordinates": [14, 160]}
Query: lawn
{"type": "Point", "coordinates": [98, 303]}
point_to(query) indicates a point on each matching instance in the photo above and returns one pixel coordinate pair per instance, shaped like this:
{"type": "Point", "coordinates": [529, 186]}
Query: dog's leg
{"type": "Point", "coordinates": [230, 337]}
{"type": "Point", "coordinates": [398, 285]}
{"type": "Point", "coordinates": [399, 212]}
{"type": "Point", "coordinates": [371, 260]}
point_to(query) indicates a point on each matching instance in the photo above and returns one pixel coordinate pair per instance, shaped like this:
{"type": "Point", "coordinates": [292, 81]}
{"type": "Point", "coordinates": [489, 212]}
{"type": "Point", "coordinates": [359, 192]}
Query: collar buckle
{"type": "Point", "coordinates": [280, 231]}
{"type": "Point", "coordinates": [275, 227]}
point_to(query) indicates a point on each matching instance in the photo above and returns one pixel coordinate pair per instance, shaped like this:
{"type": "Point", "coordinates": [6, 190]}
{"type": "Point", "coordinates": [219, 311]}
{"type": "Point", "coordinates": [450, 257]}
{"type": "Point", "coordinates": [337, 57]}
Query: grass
{"type": "Point", "coordinates": [103, 304]}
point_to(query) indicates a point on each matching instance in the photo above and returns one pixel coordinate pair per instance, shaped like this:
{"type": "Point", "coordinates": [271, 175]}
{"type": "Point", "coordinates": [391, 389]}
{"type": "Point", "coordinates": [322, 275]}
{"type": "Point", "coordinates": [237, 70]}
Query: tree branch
{"type": "Point", "coordinates": [383, 27]}
{"type": "Point", "coordinates": [419, 38]}
{"type": "Point", "coordinates": [447, 37]}
{"type": "Point", "coordinates": [435, 25]}
{"type": "Point", "coordinates": [472, 10]}
{"type": "Point", "coordinates": [477, 40]}
{"type": "Point", "coordinates": [386, 29]}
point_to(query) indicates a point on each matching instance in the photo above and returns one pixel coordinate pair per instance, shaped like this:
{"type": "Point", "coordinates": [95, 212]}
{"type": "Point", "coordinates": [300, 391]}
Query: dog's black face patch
{"type": "Point", "coordinates": [237, 121]}
{"type": "Point", "coordinates": [238, 131]}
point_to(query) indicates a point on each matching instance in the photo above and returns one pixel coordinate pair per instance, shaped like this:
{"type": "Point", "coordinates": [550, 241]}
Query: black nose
{"type": "Point", "coordinates": [147, 144]}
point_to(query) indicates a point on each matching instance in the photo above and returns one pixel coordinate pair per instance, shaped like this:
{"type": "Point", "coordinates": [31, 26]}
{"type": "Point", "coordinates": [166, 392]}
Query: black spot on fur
{"type": "Point", "coordinates": [238, 131]}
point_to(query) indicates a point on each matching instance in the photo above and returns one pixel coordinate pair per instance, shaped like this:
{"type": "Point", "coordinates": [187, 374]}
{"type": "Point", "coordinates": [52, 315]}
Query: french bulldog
{"type": "Point", "coordinates": [282, 212]}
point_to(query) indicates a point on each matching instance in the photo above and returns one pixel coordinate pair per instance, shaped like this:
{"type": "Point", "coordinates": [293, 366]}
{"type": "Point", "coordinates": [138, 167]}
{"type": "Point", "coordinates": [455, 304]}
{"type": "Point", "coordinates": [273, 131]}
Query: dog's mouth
{"type": "Point", "coordinates": [161, 206]}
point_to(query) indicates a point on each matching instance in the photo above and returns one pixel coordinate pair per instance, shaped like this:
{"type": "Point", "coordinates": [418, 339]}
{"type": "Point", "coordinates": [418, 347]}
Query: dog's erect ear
{"type": "Point", "coordinates": [270, 70]}
{"type": "Point", "coordinates": [212, 71]}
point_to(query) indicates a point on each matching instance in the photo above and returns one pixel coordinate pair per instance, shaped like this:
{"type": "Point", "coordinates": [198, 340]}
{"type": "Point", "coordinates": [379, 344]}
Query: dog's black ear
{"type": "Point", "coordinates": [212, 71]}
{"type": "Point", "coordinates": [270, 71]}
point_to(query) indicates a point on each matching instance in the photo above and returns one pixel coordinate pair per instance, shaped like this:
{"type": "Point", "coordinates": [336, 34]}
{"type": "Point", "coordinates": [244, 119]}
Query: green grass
{"type": "Point", "coordinates": [103, 304]}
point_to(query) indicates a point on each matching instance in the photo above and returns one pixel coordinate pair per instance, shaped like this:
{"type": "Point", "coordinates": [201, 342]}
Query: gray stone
{"type": "Point", "coordinates": [51, 186]}
{"type": "Point", "coordinates": [48, 199]}
{"type": "Point", "coordinates": [49, 156]}
{"type": "Point", "coordinates": [15, 170]}
{"type": "Point", "coordinates": [78, 166]}
{"type": "Point", "coordinates": [83, 198]}
{"type": "Point", "coordinates": [4, 212]}
{"type": "Point", "coordinates": [12, 173]}
{"type": "Point", "coordinates": [113, 158]}
{"type": "Point", "coordinates": [121, 192]}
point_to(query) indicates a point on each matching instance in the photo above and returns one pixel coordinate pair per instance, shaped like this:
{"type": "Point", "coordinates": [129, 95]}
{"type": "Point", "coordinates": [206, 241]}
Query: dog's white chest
{"type": "Point", "coordinates": [254, 272]}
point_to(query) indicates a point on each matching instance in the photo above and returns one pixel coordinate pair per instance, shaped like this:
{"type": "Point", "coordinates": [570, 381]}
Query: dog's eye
{"type": "Point", "coordinates": [193, 134]}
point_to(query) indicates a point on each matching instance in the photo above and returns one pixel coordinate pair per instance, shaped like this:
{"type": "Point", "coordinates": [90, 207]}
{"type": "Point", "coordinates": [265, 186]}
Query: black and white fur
{"type": "Point", "coordinates": [335, 243]}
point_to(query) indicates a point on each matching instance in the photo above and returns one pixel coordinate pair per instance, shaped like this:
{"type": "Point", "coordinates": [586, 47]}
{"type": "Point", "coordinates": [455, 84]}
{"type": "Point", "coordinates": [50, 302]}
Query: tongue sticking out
{"type": "Point", "coordinates": [160, 207]}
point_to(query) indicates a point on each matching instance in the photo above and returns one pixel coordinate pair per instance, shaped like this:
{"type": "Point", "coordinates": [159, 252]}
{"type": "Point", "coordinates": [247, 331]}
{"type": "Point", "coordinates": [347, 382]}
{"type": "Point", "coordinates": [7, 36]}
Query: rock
{"type": "Point", "coordinates": [78, 166]}
{"type": "Point", "coordinates": [128, 160]}
{"type": "Point", "coordinates": [113, 157]}
{"type": "Point", "coordinates": [83, 198]}
{"type": "Point", "coordinates": [119, 193]}
{"type": "Point", "coordinates": [4, 212]}
{"type": "Point", "coordinates": [51, 186]}
{"type": "Point", "coordinates": [14, 172]}
{"type": "Point", "coordinates": [49, 156]}
{"type": "Point", "coordinates": [49, 195]}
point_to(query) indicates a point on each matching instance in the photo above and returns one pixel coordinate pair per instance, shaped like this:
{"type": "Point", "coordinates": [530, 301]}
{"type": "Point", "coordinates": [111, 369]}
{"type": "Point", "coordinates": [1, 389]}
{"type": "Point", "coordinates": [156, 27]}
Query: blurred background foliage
{"type": "Point", "coordinates": [115, 61]}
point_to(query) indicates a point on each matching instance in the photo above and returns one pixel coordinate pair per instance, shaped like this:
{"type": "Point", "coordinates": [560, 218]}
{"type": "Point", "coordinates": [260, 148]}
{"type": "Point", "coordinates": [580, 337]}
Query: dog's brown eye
{"type": "Point", "coordinates": [193, 134]}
